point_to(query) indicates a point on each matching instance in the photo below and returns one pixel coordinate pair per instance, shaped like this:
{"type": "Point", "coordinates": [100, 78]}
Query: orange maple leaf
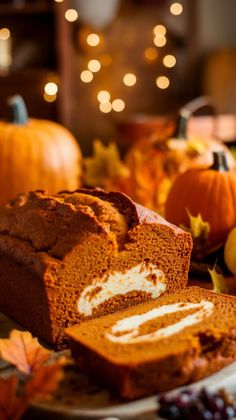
{"type": "Point", "coordinates": [23, 351]}
{"type": "Point", "coordinates": [8, 398]}
{"type": "Point", "coordinates": [41, 384]}
{"type": "Point", "coordinates": [45, 380]}
{"type": "Point", "coordinates": [29, 357]}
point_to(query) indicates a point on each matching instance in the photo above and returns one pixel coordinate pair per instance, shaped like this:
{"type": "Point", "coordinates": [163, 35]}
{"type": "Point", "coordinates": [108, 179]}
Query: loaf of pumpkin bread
{"type": "Point", "coordinates": [80, 255]}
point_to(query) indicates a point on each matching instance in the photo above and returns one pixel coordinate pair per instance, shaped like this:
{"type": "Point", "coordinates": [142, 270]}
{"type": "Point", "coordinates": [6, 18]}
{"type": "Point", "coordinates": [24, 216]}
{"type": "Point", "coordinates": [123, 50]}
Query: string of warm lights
{"type": "Point", "coordinates": [51, 87]}
{"type": "Point", "coordinates": [106, 103]}
{"type": "Point", "coordinates": [94, 65]}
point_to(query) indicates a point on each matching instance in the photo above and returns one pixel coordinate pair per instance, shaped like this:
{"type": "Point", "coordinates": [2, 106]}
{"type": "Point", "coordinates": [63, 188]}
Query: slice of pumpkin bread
{"type": "Point", "coordinates": [158, 345]}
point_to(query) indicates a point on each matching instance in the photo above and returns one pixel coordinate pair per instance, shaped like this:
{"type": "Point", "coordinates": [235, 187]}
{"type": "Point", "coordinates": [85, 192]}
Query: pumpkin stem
{"type": "Point", "coordinates": [219, 162]}
{"type": "Point", "coordinates": [19, 111]}
{"type": "Point", "coordinates": [181, 126]}
{"type": "Point", "coordinates": [187, 111]}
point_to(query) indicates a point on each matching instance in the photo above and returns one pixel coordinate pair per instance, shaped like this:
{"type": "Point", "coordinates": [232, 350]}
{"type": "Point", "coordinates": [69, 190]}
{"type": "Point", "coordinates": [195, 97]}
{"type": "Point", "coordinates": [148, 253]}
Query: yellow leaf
{"type": "Point", "coordinates": [199, 230]}
{"type": "Point", "coordinates": [218, 280]}
{"type": "Point", "coordinates": [195, 146]}
{"type": "Point", "coordinates": [23, 351]}
{"type": "Point", "coordinates": [105, 163]}
{"type": "Point", "coordinates": [198, 227]}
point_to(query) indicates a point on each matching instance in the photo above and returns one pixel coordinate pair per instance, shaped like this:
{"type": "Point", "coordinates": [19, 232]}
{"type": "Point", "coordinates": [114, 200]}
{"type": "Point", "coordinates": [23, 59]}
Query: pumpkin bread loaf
{"type": "Point", "coordinates": [74, 256]}
{"type": "Point", "coordinates": [158, 345]}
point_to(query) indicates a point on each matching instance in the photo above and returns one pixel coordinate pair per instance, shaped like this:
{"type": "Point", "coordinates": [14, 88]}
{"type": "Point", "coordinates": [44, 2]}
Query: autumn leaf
{"type": "Point", "coordinates": [41, 384]}
{"type": "Point", "coordinates": [104, 164]}
{"type": "Point", "coordinates": [218, 280]}
{"type": "Point", "coordinates": [8, 398]}
{"type": "Point", "coordinates": [45, 380]}
{"type": "Point", "coordinates": [195, 146]}
{"type": "Point", "coordinates": [41, 379]}
{"type": "Point", "coordinates": [199, 228]}
{"type": "Point", "coordinates": [23, 351]}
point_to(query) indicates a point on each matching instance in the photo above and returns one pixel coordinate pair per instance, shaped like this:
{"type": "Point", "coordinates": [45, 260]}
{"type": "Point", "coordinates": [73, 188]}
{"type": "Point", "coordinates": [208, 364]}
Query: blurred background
{"type": "Point", "coordinates": [104, 68]}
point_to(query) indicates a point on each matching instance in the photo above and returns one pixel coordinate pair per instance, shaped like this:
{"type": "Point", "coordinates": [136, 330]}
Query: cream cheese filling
{"type": "Point", "coordinates": [127, 330]}
{"type": "Point", "coordinates": [138, 278]}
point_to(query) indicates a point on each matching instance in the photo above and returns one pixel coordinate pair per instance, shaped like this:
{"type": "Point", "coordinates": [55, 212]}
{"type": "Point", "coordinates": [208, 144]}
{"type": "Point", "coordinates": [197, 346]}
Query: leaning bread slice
{"type": "Point", "coordinates": [158, 345]}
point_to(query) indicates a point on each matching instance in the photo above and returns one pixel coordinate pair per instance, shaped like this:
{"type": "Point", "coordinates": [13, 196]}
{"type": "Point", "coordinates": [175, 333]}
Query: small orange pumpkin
{"type": "Point", "coordinates": [210, 192]}
{"type": "Point", "coordinates": [36, 154]}
{"type": "Point", "coordinates": [155, 162]}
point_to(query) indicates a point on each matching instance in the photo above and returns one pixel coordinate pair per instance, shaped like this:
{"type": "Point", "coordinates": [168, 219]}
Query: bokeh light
{"type": "Point", "coordinates": [169, 60]}
{"type": "Point", "coordinates": [71, 15]}
{"type": "Point", "coordinates": [176, 9]}
{"type": "Point", "coordinates": [86, 76]}
{"type": "Point", "coordinates": [129, 79]}
{"type": "Point", "coordinates": [159, 30]}
{"type": "Point", "coordinates": [105, 107]}
{"type": "Point", "coordinates": [94, 65]}
{"type": "Point", "coordinates": [103, 96]}
{"type": "Point", "coordinates": [118, 105]}
{"type": "Point", "coordinates": [162, 82]}
{"type": "Point", "coordinates": [150, 54]}
{"type": "Point", "coordinates": [159, 41]}
{"type": "Point", "coordinates": [51, 88]}
{"type": "Point", "coordinates": [93, 40]}
{"type": "Point", "coordinates": [5, 34]}
{"type": "Point", "coordinates": [49, 98]}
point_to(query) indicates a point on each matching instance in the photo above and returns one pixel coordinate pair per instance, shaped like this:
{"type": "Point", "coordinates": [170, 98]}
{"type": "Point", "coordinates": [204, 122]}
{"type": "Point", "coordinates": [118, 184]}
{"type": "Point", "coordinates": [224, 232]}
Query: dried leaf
{"type": "Point", "coordinates": [23, 351]}
{"type": "Point", "coordinates": [8, 399]}
{"type": "Point", "coordinates": [41, 385]}
{"type": "Point", "coordinates": [104, 164]}
{"type": "Point", "coordinates": [195, 146]}
{"type": "Point", "coordinates": [45, 380]}
{"type": "Point", "coordinates": [199, 230]}
{"type": "Point", "coordinates": [198, 227]}
{"type": "Point", "coordinates": [218, 280]}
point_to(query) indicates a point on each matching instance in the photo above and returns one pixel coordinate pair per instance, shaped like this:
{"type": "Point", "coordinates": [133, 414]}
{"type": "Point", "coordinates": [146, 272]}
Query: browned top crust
{"type": "Point", "coordinates": [54, 224]}
{"type": "Point", "coordinates": [136, 213]}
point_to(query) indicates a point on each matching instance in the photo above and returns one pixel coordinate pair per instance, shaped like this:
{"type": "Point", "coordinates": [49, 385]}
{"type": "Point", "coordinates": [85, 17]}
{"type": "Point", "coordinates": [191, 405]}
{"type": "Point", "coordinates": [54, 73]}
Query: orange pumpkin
{"type": "Point", "coordinates": [208, 191]}
{"type": "Point", "coordinates": [154, 163]}
{"type": "Point", "coordinates": [36, 154]}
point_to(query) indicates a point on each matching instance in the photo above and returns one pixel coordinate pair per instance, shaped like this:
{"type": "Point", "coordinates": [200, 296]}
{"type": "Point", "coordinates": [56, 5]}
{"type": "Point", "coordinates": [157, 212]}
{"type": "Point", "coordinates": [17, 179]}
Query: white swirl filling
{"type": "Point", "coordinates": [127, 330]}
{"type": "Point", "coordinates": [143, 278]}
